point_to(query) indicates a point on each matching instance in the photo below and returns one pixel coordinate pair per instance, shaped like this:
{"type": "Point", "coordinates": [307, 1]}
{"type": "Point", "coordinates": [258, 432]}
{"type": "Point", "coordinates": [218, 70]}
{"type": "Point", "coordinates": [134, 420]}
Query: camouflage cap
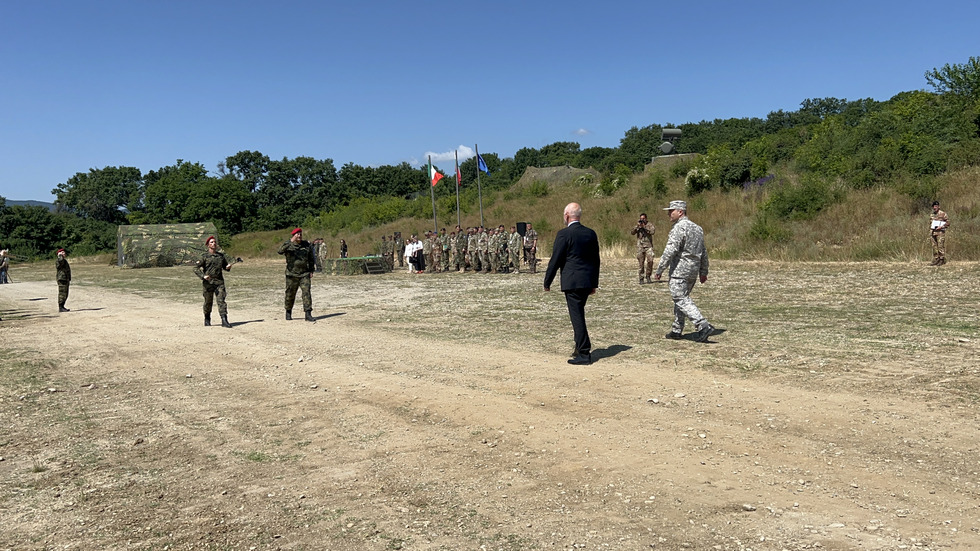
{"type": "Point", "coordinates": [677, 205]}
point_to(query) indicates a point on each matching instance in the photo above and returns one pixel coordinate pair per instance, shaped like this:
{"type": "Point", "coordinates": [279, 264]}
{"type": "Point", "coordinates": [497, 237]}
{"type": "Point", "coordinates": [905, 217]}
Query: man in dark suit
{"type": "Point", "coordinates": [576, 253]}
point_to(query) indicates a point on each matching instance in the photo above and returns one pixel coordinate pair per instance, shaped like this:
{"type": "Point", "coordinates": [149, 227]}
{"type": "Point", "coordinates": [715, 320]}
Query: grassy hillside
{"type": "Point", "coordinates": [870, 224]}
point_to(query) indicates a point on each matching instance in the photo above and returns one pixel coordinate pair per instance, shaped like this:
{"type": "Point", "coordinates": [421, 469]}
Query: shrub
{"type": "Point", "coordinates": [654, 185]}
{"type": "Point", "coordinates": [539, 188]}
{"type": "Point", "coordinates": [803, 201]}
{"type": "Point", "coordinates": [766, 229]}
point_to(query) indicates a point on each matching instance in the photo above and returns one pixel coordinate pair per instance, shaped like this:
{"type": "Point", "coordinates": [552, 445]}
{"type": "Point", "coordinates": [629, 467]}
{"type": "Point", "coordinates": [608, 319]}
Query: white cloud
{"type": "Point", "coordinates": [448, 157]}
{"type": "Point", "coordinates": [582, 132]}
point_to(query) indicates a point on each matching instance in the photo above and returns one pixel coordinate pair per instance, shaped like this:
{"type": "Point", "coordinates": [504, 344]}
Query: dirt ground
{"type": "Point", "coordinates": [836, 409]}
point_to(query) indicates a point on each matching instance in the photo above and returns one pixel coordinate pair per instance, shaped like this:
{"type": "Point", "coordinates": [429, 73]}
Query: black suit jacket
{"type": "Point", "coordinates": [576, 253]}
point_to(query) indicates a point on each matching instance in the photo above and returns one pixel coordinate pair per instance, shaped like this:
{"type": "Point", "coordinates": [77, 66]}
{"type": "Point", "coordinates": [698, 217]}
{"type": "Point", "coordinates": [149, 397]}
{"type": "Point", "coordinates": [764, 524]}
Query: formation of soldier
{"type": "Point", "coordinates": [475, 249]}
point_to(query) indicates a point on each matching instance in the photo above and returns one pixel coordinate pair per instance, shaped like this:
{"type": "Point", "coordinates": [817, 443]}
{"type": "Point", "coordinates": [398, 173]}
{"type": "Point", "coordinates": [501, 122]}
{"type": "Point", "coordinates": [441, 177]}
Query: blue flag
{"type": "Point", "coordinates": [481, 164]}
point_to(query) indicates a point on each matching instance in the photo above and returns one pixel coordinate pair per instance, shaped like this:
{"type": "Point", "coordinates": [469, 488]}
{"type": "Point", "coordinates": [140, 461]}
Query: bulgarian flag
{"type": "Point", "coordinates": [459, 179]}
{"type": "Point", "coordinates": [434, 175]}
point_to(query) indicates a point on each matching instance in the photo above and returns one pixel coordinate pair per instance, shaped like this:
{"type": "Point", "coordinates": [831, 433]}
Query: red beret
{"type": "Point", "coordinates": [210, 237]}
{"type": "Point", "coordinates": [297, 230]}
{"type": "Point", "coordinates": [60, 251]}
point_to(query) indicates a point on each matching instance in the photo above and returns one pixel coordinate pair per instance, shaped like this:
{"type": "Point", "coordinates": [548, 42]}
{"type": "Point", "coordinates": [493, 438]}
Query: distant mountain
{"type": "Point", "coordinates": [49, 206]}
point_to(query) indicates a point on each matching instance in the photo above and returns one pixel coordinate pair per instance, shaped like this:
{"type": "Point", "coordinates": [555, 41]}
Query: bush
{"type": "Point", "coordinates": [766, 229]}
{"type": "Point", "coordinates": [654, 185]}
{"type": "Point", "coordinates": [538, 189]}
{"type": "Point", "coordinates": [803, 201]}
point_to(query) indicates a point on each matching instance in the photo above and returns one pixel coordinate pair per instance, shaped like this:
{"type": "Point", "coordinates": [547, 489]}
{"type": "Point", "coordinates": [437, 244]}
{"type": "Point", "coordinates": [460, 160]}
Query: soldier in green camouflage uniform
{"type": "Point", "coordinates": [515, 245]}
{"type": "Point", "coordinates": [644, 247]}
{"type": "Point", "coordinates": [300, 264]}
{"type": "Point", "coordinates": [210, 269]}
{"type": "Point", "coordinates": [459, 250]}
{"type": "Point", "coordinates": [445, 245]}
{"type": "Point", "coordinates": [64, 279]}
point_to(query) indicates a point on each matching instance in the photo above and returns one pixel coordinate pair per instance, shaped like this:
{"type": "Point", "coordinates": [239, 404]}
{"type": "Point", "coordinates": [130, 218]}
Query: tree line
{"type": "Point", "coordinates": [904, 142]}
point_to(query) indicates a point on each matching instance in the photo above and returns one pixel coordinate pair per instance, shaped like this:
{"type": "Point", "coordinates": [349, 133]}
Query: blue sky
{"type": "Point", "coordinates": [90, 84]}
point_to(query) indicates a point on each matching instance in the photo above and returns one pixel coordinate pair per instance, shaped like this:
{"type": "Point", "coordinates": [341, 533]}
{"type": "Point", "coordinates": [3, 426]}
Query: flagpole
{"type": "Point", "coordinates": [458, 182]}
{"type": "Point", "coordinates": [478, 188]}
{"type": "Point", "coordinates": [432, 192]}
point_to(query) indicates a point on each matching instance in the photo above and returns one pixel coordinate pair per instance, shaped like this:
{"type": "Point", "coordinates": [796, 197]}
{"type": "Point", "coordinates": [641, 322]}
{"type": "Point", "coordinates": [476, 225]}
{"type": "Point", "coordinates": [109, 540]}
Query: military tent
{"type": "Point", "coordinates": [158, 245]}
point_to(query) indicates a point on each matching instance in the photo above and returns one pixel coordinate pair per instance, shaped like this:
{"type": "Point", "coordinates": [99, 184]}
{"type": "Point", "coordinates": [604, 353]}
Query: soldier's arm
{"type": "Point", "coordinates": [285, 247]}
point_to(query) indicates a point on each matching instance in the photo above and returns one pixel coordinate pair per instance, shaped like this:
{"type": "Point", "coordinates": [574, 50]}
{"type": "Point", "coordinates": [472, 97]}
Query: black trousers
{"type": "Point", "coordinates": [576, 299]}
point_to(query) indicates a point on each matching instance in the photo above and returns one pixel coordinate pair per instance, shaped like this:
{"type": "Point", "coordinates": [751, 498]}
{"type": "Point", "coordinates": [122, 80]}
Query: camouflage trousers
{"type": "Point", "coordinates": [212, 291]}
{"type": "Point", "coordinates": [473, 259]}
{"type": "Point", "coordinates": [680, 291]}
{"type": "Point", "coordinates": [515, 259]}
{"type": "Point", "coordinates": [939, 247]}
{"type": "Point", "coordinates": [645, 258]}
{"type": "Point", "coordinates": [531, 255]}
{"type": "Point", "coordinates": [485, 261]}
{"type": "Point", "coordinates": [294, 283]}
{"type": "Point", "coordinates": [446, 253]}
{"type": "Point", "coordinates": [63, 293]}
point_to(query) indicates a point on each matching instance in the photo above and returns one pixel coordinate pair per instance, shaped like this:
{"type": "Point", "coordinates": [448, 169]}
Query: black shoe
{"type": "Point", "coordinates": [207, 321]}
{"type": "Point", "coordinates": [225, 322]}
{"type": "Point", "coordinates": [581, 359]}
{"type": "Point", "coordinates": [309, 316]}
{"type": "Point", "coordinates": [674, 336]}
{"type": "Point", "coordinates": [63, 309]}
{"type": "Point", "coordinates": [289, 315]}
{"type": "Point", "coordinates": [705, 332]}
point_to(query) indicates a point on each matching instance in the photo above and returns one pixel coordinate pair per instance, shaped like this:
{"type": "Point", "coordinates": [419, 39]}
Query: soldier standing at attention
{"type": "Point", "coordinates": [400, 249]}
{"type": "Point", "coordinates": [64, 279]}
{"type": "Point", "coordinates": [210, 269]}
{"type": "Point", "coordinates": [300, 264]}
{"type": "Point", "coordinates": [483, 243]}
{"type": "Point", "coordinates": [688, 260]}
{"type": "Point", "coordinates": [644, 247]}
{"type": "Point", "coordinates": [531, 248]}
{"type": "Point", "coordinates": [939, 221]}
{"type": "Point", "coordinates": [473, 249]}
{"type": "Point", "coordinates": [515, 245]}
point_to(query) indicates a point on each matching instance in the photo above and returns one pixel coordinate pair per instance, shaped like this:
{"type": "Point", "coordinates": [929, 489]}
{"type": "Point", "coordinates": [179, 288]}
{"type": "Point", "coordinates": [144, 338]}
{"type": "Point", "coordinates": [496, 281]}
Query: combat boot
{"type": "Point", "coordinates": [224, 321]}
{"type": "Point", "coordinates": [289, 315]}
{"type": "Point", "coordinates": [309, 315]}
{"type": "Point", "coordinates": [207, 321]}
{"type": "Point", "coordinates": [63, 309]}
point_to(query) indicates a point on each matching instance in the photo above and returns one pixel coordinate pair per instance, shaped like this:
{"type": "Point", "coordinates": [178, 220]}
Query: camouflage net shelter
{"type": "Point", "coordinates": [160, 245]}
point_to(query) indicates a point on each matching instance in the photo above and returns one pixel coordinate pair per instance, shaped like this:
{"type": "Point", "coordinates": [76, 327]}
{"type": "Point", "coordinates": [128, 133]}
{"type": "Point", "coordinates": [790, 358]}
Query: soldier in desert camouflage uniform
{"type": "Point", "coordinates": [427, 251]}
{"type": "Point", "coordinates": [459, 249]}
{"type": "Point", "coordinates": [939, 222]}
{"type": "Point", "coordinates": [687, 259]}
{"type": "Point", "coordinates": [531, 248]}
{"type": "Point", "coordinates": [473, 249]}
{"type": "Point", "coordinates": [399, 249]}
{"type": "Point", "coordinates": [515, 246]}
{"type": "Point", "coordinates": [483, 243]}
{"type": "Point", "coordinates": [210, 269]}
{"type": "Point", "coordinates": [644, 247]}
{"type": "Point", "coordinates": [300, 264]}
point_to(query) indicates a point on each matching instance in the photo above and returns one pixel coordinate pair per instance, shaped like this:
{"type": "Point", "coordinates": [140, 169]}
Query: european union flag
{"type": "Point", "coordinates": [481, 164]}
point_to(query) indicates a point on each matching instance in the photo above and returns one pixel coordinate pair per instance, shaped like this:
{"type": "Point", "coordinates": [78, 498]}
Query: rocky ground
{"type": "Point", "coordinates": [835, 409]}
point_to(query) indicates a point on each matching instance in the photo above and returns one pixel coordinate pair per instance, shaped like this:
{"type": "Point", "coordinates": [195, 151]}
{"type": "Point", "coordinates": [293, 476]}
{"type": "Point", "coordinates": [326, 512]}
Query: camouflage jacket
{"type": "Point", "coordinates": [530, 239]}
{"type": "Point", "coordinates": [64, 270]}
{"type": "Point", "coordinates": [300, 261]}
{"type": "Point", "coordinates": [644, 236]}
{"type": "Point", "coordinates": [212, 265]}
{"type": "Point", "coordinates": [685, 252]}
{"type": "Point", "coordinates": [483, 242]}
{"type": "Point", "coordinates": [942, 217]}
{"type": "Point", "coordinates": [515, 242]}
{"type": "Point", "coordinates": [472, 243]}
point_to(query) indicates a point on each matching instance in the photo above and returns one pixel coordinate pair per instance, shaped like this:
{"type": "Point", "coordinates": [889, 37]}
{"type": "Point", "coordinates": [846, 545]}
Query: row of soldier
{"type": "Point", "coordinates": [475, 249]}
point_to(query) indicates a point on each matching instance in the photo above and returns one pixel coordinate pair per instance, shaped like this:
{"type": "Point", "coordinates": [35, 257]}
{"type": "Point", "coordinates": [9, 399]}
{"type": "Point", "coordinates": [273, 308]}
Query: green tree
{"type": "Point", "coordinates": [960, 79]}
{"type": "Point", "coordinates": [100, 194]}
